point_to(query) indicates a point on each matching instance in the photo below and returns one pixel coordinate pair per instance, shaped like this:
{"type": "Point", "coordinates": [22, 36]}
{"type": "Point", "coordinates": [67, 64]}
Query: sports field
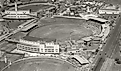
{"type": "Point", "coordinates": [61, 32]}
{"type": "Point", "coordinates": [34, 8]}
{"type": "Point", "coordinates": [41, 64]}
{"type": "Point", "coordinates": [63, 29]}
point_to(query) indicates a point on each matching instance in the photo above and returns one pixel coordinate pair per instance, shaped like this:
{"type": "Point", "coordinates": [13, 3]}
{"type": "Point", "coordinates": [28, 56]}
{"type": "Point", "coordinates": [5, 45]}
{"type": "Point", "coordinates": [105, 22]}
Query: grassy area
{"type": "Point", "coordinates": [14, 24]}
{"type": "Point", "coordinates": [61, 31]}
{"type": "Point", "coordinates": [17, 35]}
{"type": "Point", "coordinates": [61, 28]}
{"type": "Point", "coordinates": [2, 65]}
{"type": "Point", "coordinates": [60, 20]}
{"type": "Point", "coordinates": [34, 8]}
{"type": "Point", "coordinates": [43, 64]}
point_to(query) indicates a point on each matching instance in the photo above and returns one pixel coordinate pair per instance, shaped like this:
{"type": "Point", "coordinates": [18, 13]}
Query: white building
{"type": "Point", "coordinates": [18, 14]}
{"type": "Point", "coordinates": [109, 11]}
{"type": "Point", "coordinates": [38, 45]}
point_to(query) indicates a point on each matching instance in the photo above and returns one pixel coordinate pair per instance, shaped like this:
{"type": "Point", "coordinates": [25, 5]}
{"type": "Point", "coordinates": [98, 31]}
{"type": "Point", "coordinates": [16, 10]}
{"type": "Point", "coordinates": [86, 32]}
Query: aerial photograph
{"type": "Point", "coordinates": [60, 35]}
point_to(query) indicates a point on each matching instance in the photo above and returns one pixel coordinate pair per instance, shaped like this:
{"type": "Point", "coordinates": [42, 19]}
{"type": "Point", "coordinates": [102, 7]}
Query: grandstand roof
{"type": "Point", "coordinates": [98, 19]}
{"type": "Point", "coordinates": [81, 59]}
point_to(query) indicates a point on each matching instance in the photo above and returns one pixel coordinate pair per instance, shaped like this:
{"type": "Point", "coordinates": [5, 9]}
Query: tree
{"type": "Point", "coordinates": [118, 62]}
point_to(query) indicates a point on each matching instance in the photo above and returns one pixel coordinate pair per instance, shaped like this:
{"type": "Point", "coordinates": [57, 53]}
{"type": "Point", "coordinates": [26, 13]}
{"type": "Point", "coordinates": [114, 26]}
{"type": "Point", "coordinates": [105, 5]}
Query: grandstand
{"type": "Point", "coordinates": [81, 59]}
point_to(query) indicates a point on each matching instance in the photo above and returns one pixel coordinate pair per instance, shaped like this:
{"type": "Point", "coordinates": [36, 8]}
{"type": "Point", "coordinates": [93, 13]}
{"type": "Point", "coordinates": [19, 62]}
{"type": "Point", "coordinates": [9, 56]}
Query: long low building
{"type": "Point", "coordinates": [109, 11]}
{"type": "Point", "coordinates": [98, 19]}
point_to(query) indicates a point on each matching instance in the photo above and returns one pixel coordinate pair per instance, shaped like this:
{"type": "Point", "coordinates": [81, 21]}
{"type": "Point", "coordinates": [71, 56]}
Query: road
{"type": "Point", "coordinates": [113, 40]}
{"type": "Point", "coordinates": [110, 46]}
